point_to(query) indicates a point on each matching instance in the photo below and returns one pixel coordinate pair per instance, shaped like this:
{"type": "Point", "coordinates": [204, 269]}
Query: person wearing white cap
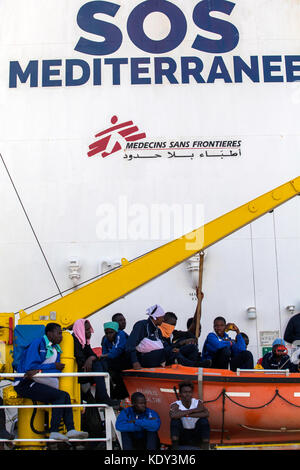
{"type": "Point", "coordinates": [145, 343]}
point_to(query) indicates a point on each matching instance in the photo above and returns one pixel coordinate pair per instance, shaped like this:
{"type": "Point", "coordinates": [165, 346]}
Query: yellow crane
{"type": "Point", "coordinates": [131, 275]}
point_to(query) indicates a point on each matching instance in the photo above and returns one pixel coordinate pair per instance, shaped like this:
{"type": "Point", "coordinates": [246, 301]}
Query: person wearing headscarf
{"type": "Point", "coordinates": [114, 357]}
{"type": "Point", "coordinates": [145, 343]}
{"type": "Point", "coordinates": [87, 361]}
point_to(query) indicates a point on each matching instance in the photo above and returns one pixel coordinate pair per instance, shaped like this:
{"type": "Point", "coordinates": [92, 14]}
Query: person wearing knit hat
{"type": "Point", "coordinates": [145, 343]}
{"type": "Point", "coordinates": [87, 361]}
{"type": "Point", "coordinates": [113, 325]}
{"type": "Point", "coordinates": [278, 358]}
{"type": "Point", "coordinates": [278, 341]}
{"type": "Point", "coordinates": [114, 357]}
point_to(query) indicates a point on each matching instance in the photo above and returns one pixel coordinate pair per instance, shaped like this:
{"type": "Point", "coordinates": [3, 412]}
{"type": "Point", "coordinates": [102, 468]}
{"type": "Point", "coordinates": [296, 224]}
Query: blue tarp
{"type": "Point", "coordinates": [23, 336]}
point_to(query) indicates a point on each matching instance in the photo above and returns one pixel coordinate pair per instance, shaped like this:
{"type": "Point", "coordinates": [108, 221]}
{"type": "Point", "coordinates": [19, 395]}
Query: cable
{"type": "Point", "coordinates": [277, 272]}
{"type": "Point", "coordinates": [253, 407]}
{"type": "Point", "coordinates": [254, 285]}
{"type": "Point", "coordinates": [34, 411]}
{"type": "Point", "coordinates": [287, 401]}
{"type": "Point", "coordinates": [215, 399]}
{"type": "Point", "coordinates": [27, 217]}
{"type": "Point", "coordinates": [83, 282]}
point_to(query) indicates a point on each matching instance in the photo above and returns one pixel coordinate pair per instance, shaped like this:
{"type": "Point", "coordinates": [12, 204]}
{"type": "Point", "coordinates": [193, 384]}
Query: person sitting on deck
{"type": "Point", "coordinates": [167, 327]}
{"type": "Point", "coordinates": [187, 342]}
{"type": "Point", "coordinates": [115, 357]}
{"type": "Point", "coordinates": [43, 355]}
{"type": "Point", "coordinates": [189, 424]}
{"type": "Point", "coordinates": [87, 361]}
{"type": "Point", "coordinates": [223, 350]}
{"type": "Point", "coordinates": [241, 357]}
{"type": "Point", "coordinates": [278, 358]}
{"type": "Point", "coordinates": [138, 425]}
{"type": "Point", "coordinates": [184, 351]}
{"type": "Point", "coordinates": [145, 343]}
{"type": "Point", "coordinates": [189, 335]}
{"type": "Point", "coordinates": [121, 320]}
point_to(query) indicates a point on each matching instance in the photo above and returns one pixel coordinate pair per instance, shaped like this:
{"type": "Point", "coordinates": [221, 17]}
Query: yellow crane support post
{"type": "Point", "coordinates": [107, 289]}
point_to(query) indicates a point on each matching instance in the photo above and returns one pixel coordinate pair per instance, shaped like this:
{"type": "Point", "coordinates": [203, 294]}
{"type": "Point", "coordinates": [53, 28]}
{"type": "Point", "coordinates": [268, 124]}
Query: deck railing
{"type": "Point", "coordinates": [109, 414]}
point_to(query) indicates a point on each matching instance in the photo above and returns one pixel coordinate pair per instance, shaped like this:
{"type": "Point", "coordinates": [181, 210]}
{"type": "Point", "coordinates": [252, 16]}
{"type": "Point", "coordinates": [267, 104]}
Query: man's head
{"type": "Point", "coordinates": [111, 329]}
{"type": "Point", "coordinates": [88, 329]}
{"type": "Point", "coordinates": [139, 403]}
{"type": "Point", "coordinates": [119, 318]}
{"type": "Point", "coordinates": [191, 322]}
{"type": "Point", "coordinates": [246, 338]}
{"type": "Point", "coordinates": [168, 325]}
{"type": "Point", "coordinates": [219, 326]}
{"type": "Point", "coordinates": [278, 348]}
{"type": "Point", "coordinates": [157, 314]}
{"type": "Point", "coordinates": [186, 390]}
{"type": "Point", "coordinates": [170, 318]}
{"type": "Point", "coordinates": [53, 332]}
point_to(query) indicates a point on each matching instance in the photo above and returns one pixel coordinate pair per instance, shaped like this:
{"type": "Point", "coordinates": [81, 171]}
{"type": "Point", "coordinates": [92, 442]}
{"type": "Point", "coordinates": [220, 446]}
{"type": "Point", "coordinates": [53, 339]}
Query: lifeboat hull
{"type": "Point", "coordinates": [245, 407]}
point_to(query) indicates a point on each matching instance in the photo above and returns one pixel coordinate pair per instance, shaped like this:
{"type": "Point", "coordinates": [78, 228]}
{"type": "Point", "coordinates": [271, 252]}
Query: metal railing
{"type": "Point", "coordinates": [266, 371]}
{"type": "Point", "coordinates": [109, 415]}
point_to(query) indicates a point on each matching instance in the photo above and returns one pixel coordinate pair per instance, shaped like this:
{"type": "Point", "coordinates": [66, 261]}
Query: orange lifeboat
{"type": "Point", "coordinates": [247, 406]}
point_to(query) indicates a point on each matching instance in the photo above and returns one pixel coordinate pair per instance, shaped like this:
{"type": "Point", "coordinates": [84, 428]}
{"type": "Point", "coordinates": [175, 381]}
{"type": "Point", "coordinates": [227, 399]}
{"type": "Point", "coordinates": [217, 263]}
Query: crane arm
{"type": "Point", "coordinates": [98, 294]}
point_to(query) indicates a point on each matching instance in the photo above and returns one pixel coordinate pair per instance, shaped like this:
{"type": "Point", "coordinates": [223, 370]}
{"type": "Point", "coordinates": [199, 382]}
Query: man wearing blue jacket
{"type": "Point", "coordinates": [114, 356]}
{"type": "Point", "coordinates": [138, 425]}
{"type": "Point", "coordinates": [114, 342]}
{"type": "Point", "coordinates": [43, 355]}
{"type": "Point", "coordinates": [223, 350]}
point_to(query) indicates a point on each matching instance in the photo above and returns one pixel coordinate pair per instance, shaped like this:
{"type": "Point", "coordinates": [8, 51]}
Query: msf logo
{"type": "Point", "coordinates": [114, 138]}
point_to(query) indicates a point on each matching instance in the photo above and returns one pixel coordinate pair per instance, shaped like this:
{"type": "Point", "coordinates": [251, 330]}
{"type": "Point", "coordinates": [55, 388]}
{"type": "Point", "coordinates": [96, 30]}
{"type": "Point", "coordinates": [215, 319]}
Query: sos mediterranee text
{"type": "Point", "coordinates": [104, 63]}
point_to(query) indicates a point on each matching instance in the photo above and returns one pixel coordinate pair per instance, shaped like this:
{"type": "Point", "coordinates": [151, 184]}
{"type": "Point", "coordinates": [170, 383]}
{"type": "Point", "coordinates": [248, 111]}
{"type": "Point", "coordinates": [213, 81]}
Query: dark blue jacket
{"type": "Point", "coordinates": [143, 422]}
{"type": "Point", "coordinates": [142, 329]}
{"type": "Point", "coordinates": [214, 342]}
{"type": "Point", "coordinates": [115, 349]}
{"type": "Point", "coordinates": [269, 362]}
{"type": "Point", "coordinates": [34, 357]}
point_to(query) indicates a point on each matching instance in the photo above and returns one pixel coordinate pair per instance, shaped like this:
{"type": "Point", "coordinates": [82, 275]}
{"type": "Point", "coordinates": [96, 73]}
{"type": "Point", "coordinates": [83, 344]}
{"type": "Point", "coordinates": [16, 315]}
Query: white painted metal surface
{"type": "Point", "coordinates": [77, 204]}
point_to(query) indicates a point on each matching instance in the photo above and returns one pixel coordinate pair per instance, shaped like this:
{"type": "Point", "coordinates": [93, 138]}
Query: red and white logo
{"type": "Point", "coordinates": [114, 138]}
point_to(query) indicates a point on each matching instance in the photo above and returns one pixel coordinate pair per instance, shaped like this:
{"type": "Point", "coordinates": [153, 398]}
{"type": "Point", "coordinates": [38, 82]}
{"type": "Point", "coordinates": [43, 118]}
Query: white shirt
{"type": "Point", "coordinates": [187, 422]}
